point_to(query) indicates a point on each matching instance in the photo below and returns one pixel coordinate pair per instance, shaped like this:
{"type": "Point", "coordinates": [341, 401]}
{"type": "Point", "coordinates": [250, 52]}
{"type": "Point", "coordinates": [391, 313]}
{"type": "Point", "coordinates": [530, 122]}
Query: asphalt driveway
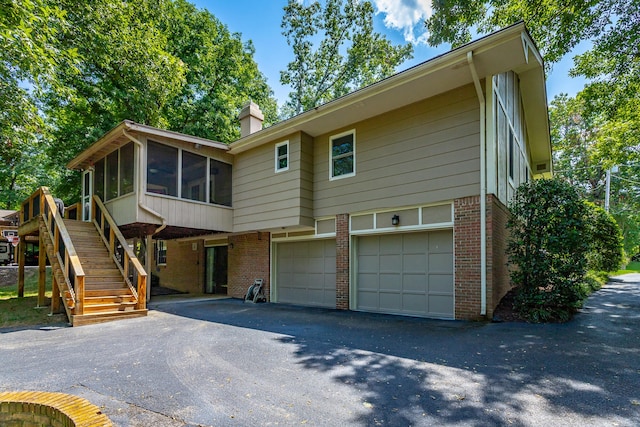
{"type": "Point", "coordinates": [222, 362]}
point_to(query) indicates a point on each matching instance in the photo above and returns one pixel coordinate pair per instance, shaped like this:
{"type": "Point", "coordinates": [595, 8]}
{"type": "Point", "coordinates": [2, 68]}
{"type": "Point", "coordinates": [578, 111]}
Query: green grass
{"type": "Point", "coordinates": [20, 312]}
{"type": "Point", "coordinates": [632, 267]}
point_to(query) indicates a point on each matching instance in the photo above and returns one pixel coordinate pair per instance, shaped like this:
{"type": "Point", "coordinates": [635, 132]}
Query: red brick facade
{"type": "Point", "coordinates": [466, 236]}
{"type": "Point", "coordinates": [467, 256]}
{"type": "Point", "coordinates": [185, 266]}
{"type": "Point", "coordinates": [497, 262]}
{"type": "Point", "coordinates": [342, 261]}
{"type": "Point", "coordinates": [248, 260]}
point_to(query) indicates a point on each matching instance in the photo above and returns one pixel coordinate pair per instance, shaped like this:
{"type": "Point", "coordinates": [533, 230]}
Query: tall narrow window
{"type": "Point", "coordinates": [98, 179]}
{"type": "Point", "coordinates": [126, 169]}
{"type": "Point", "coordinates": [220, 183]}
{"type": "Point", "coordinates": [162, 169]}
{"type": "Point", "coordinates": [282, 156]}
{"type": "Point", "coordinates": [511, 154]}
{"type": "Point", "coordinates": [112, 175]}
{"type": "Point", "coordinates": [194, 176]}
{"type": "Point", "coordinates": [343, 150]}
{"type": "Point", "coordinates": [161, 252]}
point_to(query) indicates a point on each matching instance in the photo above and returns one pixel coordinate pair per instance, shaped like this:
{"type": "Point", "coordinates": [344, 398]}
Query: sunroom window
{"type": "Point", "coordinates": [343, 150]}
{"type": "Point", "coordinates": [162, 169]}
{"type": "Point", "coordinates": [113, 174]}
{"type": "Point", "coordinates": [194, 176]}
{"type": "Point", "coordinates": [219, 183]}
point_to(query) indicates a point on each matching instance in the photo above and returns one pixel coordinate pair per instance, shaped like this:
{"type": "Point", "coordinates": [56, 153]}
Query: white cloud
{"type": "Point", "coordinates": [407, 16]}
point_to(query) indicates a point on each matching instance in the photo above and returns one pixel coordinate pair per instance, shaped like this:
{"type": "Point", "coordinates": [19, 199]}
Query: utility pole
{"type": "Point", "coordinates": [608, 190]}
{"type": "Point", "coordinates": [606, 195]}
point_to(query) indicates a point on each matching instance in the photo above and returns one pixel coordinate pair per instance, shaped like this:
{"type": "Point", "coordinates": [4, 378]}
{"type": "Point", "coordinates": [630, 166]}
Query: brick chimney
{"type": "Point", "coordinates": [251, 119]}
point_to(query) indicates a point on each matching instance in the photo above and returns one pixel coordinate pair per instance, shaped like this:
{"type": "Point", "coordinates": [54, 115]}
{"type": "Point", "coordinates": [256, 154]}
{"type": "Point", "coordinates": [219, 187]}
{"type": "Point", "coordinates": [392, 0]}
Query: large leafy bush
{"type": "Point", "coordinates": [549, 245]}
{"type": "Point", "coordinates": [606, 241]}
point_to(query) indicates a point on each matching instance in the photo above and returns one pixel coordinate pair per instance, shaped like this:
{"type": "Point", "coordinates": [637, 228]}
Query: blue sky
{"type": "Point", "coordinates": [399, 20]}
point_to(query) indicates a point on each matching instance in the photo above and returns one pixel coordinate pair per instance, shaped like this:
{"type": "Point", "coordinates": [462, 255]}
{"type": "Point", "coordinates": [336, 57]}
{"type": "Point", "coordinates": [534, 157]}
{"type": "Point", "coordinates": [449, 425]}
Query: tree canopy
{"type": "Point", "coordinates": [73, 70]}
{"type": "Point", "coordinates": [336, 51]}
{"type": "Point", "coordinates": [600, 126]}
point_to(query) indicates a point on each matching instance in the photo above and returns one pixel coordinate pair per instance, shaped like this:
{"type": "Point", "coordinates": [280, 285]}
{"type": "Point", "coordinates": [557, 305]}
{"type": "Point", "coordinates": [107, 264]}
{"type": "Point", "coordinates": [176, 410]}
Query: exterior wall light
{"type": "Point", "coordinates": [395, 220]}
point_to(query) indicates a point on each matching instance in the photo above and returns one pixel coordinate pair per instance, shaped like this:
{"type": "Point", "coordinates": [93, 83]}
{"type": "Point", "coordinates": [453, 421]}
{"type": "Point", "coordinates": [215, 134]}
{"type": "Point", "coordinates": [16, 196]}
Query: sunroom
{"type": "Point", "coordinates": [158, 183]}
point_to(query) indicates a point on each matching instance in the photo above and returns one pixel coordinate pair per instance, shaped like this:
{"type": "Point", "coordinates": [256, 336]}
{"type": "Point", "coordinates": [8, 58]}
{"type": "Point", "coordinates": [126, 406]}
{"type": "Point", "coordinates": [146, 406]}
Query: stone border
{"type": "Point", "coordinates": [38, 408]}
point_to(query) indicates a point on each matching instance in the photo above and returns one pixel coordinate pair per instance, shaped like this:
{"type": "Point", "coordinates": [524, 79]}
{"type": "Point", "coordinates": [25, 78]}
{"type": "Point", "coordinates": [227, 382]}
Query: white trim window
{"type": "Point", "coordinates": [161, 252]}
{"type": "Point", "coordinates": [342, 155]}
{"type": "Point", "coordinates": [282, 156]}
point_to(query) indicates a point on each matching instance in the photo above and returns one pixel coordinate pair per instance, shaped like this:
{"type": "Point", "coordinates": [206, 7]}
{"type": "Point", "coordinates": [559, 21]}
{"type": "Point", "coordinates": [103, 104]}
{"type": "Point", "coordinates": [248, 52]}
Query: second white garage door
{"type": "Point", "coordinates": [409, 274]}
{"type": "Point", "coordinates": [306, 273]}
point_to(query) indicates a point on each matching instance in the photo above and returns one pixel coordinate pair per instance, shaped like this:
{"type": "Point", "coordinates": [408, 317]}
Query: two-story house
{"type": "Point", "coordinates": [391, 199]}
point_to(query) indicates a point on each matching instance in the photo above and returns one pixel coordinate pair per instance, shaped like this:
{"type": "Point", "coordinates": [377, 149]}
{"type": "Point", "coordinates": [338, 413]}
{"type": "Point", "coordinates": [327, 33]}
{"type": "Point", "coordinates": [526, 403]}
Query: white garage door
{"type": "Point", "coordinates": [306, 273]}
{"type": "Point", "coordinates": [409, 274]}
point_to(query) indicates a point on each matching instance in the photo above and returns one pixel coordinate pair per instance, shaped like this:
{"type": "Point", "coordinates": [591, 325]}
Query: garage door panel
{"type": "Point", "coordinates": [409, 273]}
{"type": "Point", "coordinates": [440, 263]}
{"type": "Point", "coordinates": [368, 247]}
{"type": "Point", "coordinates": [368, 263]}
{"type": "Point", "coordinates": [442, 283]}
{"type": "Point", "coordinates": [390, 282]}
{"type": "Point", "coordinates": [414, 263]}
{"type": "Point", "coordinates": [368, 282]}
{"type": "Point", "coordinates": [390, 301]}
{"type": "Point", "coordinates": [441, 304]}
{"type": "Point", "coordinates": [440, 241]}
{"type": "Point", "coordinates": [414, 304]}
{"type": "Point", "coordinates": [316, 265]}
{"type": "Point", "coordinates": [414, 283]}
{"type": "Point", "coordinates": [390, 244]}
{"type": "Point", "coordinates": [390, 263]}
{"type": "Point", "coordinates": [368, 300]}
{"type": "Point", "coordinates": [414, 243]}
{"type": "Point", "coordinates": [305, 273]}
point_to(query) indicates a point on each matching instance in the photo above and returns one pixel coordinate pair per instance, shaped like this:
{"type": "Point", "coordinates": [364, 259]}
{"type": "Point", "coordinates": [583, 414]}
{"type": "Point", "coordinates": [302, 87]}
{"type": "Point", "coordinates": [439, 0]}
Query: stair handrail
{"type": "Point", "coordinates": [62, 245]}
{"type": "Point", "coordinates": [119, 249]}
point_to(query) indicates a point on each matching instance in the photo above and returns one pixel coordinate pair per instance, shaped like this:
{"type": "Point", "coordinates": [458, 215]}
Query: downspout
{"type": "Point", "coordinates": [140, 186]}
{"type": "Point", "coordinates": [483, 187]}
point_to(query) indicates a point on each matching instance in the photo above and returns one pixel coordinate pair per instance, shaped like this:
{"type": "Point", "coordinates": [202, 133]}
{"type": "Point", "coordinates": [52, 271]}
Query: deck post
{"type": "Point", "coordinates": [147, 263]}
{"type": "Point", "coordinates": [55, 295]}
{"type": "Point", "coordinates": [42, 270]}
{"type": "Point", "coordinates": [21, 260]}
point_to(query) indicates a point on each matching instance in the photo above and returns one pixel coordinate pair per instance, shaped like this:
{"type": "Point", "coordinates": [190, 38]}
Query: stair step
{"type": "Point", "coordinates": [93, 293]}
{"type": "Point", "coordinates": [105, 285]}
{"type": "Point", "coordinates": [88, 319]}
{"type": "Point", "coordinates": [109, 307]}
{"type": "Point", "coordinates": [102, 272]}
{"type": "Point", "coordinates": [110, 299]}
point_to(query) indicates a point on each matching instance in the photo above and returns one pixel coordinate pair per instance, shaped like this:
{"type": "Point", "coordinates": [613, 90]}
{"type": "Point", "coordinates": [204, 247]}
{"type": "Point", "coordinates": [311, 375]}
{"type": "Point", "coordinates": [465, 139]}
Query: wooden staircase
{"type": "Point", "coordinates": [95, 273]}
{"type": "Point", "coordinates": [106, 295]}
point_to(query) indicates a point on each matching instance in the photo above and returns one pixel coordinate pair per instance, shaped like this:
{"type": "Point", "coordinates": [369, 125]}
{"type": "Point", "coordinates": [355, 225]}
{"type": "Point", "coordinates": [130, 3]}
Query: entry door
{"type": "Point", "coordinates": [216, 270]}
{"type": "Point", "coordinates": [87, 192]}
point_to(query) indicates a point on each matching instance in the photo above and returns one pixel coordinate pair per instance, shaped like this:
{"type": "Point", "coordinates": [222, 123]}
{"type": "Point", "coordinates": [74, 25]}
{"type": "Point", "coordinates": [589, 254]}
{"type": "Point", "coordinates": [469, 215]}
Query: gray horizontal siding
{"type": "Point", "coordinates": [424, 153]}
{"type": "Point", "coordinates": [265, 199]}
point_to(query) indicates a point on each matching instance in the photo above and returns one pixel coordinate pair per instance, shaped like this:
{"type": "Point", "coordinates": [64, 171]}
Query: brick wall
{"type": "Point", "coordinates": [467, 258]}
{"type": "Point", "coordinates": [342, 261]}
{"type": "Point", "coordinates": [497, 262]}
{"type": "Point", "coordinates": [248, 260]}
{"type": "Point", "coordinates": [185, 266]}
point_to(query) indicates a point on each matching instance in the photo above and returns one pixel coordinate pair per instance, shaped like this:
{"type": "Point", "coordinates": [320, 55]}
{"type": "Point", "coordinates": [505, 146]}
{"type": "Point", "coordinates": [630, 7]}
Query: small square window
{"type": "Point", "coordinates": [282, 156]}
{"type": "Point", "coordinates": [343, 152]}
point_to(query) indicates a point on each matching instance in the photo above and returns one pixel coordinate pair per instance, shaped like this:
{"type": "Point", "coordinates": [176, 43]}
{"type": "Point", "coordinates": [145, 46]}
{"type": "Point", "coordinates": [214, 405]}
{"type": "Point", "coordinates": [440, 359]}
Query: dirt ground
{"type": "Point", "coordinates": [9, 274]}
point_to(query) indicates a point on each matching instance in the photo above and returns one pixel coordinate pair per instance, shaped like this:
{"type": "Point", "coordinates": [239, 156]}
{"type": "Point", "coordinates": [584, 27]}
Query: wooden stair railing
{"type": "Point", "coordinates": [40, 211]}
{"type": "Point", "coordinates": [134, 274]}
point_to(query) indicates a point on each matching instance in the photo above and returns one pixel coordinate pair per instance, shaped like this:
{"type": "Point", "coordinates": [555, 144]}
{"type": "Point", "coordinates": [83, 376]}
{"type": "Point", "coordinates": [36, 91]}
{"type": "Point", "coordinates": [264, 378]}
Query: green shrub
{"type": "Point", "coordinates": [548, 244]}
{"type": "Point", "coordinates": [606, 252]}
